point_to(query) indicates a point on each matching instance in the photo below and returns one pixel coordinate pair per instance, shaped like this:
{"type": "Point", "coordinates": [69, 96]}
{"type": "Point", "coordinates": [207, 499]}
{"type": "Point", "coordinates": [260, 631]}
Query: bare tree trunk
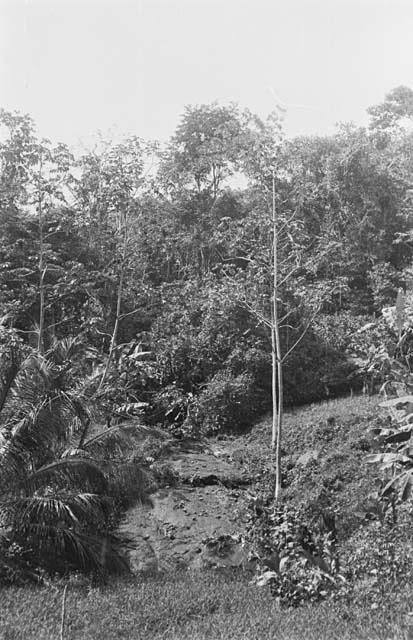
{"type": "Point", "coordinates": [63, 614]}
{"type": "Point", "coordinates": [42, 267]}
{"type": "Point", "coordinates": [114, 337]}
{"type": "Point", "coordinates": [277, 370]}
{"type": "Point", "coordinates": [274, 386]}
{"type": "Point", "coordinates": [279, 419]}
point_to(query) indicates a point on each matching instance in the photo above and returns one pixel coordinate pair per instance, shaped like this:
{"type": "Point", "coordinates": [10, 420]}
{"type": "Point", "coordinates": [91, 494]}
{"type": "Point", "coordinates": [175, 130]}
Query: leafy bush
{"type": "Point", "coordinates": [317, 370]}
{"type": "Point", "coordinates": [206, 331]}
{"type": "Point", "coordinates": [299, 566]}
{"type": "Point", "coordinates": [385, 280]}
{"type": "Point", "coordinates": [227, 403]}
{"type": "Point", "coordinates": [211, 361]}
{"type": "Point", "coordinates": [394, 440]}
{"type": "Point", "coordinates": [16, 567]}
{"type": "Point", "coordinates": [358, 347]}
{"type": "Point", "coordinates": [173, 405]}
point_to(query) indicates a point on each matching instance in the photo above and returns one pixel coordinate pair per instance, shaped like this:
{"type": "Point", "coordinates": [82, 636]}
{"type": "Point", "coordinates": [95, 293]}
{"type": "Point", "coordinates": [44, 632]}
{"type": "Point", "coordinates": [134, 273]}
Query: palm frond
{"type": "Point", "coordinates": [58, 501]}
{"type": "Point", "coordinates": [129, 482]}
{"type": "Point", "coordinates": [7, 379]}
{"type": "Point", "coordinates": [60, 547]}
{"type": "Point", "coordinates": [73, 510]}
{"type": "Point", "coordinates": [47, 426]}
{"type": "Point", "coordinates": [32, 383]}
{"type": "Point", "coordinates": [63, 350]}
{"type": "Point", "coordinates": [69, 472]}
{"type": "Point", "coordinates": [13, 463]}
{"type": "Point", "coordinates": [120, 439]}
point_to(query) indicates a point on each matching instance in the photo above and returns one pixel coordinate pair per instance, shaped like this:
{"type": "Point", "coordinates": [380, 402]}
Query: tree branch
{"type": "Point", "coordinates": [297, 342]}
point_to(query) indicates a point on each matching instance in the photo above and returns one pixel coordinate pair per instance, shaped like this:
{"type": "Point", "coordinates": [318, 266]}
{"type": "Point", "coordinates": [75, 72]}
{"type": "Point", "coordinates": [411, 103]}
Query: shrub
{"type": "Point", "coordinates": [171, 406]}
{"type": "Point", "coordinates": [297, 565]}
{"type": "Point", "coordinates": [210, 360]}
{"type": "Point", "coordinates": [227, 403]}
{"type": "Point", "coordinates": [317, 370]}
{"type": "Point", "coordinates": [384, 282]}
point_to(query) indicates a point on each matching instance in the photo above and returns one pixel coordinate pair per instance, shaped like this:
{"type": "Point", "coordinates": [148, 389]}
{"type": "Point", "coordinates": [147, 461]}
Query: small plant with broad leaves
{"type": "Point", "coordinates": [396, 458]}
{"type": "Point", "coordinates": [297, 564]}
{"type": "Point", "coordinates": [120, 390]}
{"type": "Point", "coordinates": [396, 439]}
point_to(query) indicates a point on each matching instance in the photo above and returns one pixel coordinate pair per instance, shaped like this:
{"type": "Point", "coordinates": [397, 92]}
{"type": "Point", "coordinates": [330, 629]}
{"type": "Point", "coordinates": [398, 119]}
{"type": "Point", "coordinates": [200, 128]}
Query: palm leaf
{"type": "Point", "coordinates": [64, 350]}
{"type": "Point", "coordinates": [120, 438]}
{"type": "Point", "coordinates": [68, 472]}
{"type": "Point", "coordinates": [73, 510]}
{"type": "Point", "coordinates": [13, 463]}
{"type": "Point", "coordinates": [129, 482]}
{"type": "Point", "coordinates": [47, 426]}
{"type": "Point", "coordinates": [7, 379]}
{"type": "Point", "coordinates": [60, 547]}
{"type": "Point", "coordinates": [62, 510]}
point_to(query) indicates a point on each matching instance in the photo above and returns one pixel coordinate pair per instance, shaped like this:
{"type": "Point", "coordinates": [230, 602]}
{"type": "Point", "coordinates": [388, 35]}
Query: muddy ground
{"type": "Point", "coordinates": [199, 519]}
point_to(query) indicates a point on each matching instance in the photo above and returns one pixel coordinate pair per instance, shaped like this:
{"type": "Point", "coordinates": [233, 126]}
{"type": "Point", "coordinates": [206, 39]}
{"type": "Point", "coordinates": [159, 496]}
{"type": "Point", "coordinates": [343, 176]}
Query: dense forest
{"type": "Point", "coordinates": [137, 281]}
{"type": "Point", "coordinates": [159, 257]}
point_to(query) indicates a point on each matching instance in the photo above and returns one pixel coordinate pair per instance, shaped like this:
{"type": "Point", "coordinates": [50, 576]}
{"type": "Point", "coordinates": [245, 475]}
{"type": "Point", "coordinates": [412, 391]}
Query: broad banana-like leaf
{"type": "Point", "coordinates": [399, 436]}
{"type": "Point", "coordinates": [394, 402]}
{"type": "Point", "coordinates": [400, 310]}
{"type": "Point", "coordinates": [387, 458]}
{"type": "Point", "coordinates": [406, 487]}
{"type": "Point", "coordinates": [402, 481]}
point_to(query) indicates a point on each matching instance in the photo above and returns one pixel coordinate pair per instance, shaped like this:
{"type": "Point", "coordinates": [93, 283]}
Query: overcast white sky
{"type": "Point", "coordinates": [132, 65]}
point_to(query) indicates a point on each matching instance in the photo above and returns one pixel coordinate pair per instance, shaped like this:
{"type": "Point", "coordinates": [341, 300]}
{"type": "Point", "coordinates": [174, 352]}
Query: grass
{"type": "Point", "coordinates": [338, 478]}
{"type": "Point", "coordinates": [185, 607]}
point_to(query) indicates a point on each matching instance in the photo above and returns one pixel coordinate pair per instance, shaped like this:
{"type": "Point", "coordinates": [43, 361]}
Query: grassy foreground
{"type": "Point", "coordinates": [185, 607]}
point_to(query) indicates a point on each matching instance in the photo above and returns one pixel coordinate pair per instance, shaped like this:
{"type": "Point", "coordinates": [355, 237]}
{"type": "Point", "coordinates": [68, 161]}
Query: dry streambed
{"type": "Point", "coordinates": [195, 523]}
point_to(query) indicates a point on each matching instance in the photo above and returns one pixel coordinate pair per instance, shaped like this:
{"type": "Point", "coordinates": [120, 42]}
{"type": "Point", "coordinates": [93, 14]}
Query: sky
{"type": "Point", "coordinates": [131, 66]}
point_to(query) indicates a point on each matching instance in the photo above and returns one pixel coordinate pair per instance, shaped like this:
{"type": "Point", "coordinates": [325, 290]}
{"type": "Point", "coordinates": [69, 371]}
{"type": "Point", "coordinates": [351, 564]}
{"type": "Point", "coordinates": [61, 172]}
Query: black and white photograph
{"type": "Point", "coordinates": [206, 319]}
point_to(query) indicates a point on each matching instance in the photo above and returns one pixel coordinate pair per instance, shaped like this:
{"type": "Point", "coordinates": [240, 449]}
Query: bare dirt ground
{"type": "Point", "coordinates": [200, 512]}
{"type": "Point", "coordinates": [197, 521]}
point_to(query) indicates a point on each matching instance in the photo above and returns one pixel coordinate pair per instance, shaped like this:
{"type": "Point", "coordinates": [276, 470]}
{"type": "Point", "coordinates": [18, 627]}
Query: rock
{"type": "Point", "coordinates": [223, 552]}
{"type": "Point", "coordinates": [142, 559]}
{"type": "Point", "coordinates": [308, 457]}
